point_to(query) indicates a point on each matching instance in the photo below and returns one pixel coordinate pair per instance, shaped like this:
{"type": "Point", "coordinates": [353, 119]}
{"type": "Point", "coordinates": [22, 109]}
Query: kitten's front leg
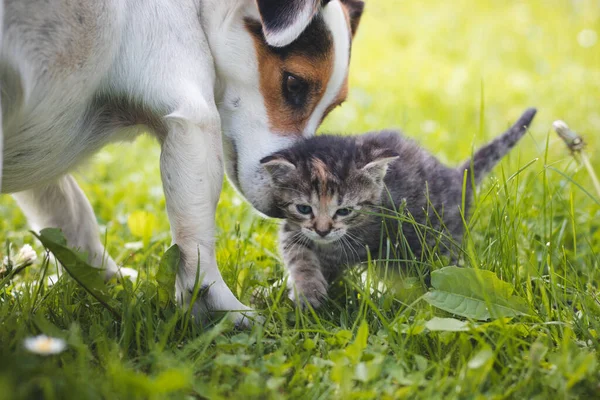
{"type": "Point", "coordinates": [306, 282]}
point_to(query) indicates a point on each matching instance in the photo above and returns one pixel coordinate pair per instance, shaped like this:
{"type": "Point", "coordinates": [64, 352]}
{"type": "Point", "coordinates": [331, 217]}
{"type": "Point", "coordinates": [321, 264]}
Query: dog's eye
{"type": "Point", "coordinates": [343, 212]}
{"type": "Point", "coordinates": [304, 209]}
{"type": "Point", "coordinates": [295, 90]}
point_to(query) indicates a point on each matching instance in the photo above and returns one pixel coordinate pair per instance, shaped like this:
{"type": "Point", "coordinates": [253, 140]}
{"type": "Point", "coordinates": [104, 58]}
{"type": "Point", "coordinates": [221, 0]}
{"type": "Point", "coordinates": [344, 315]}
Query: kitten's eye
{"type": "Point", "coordinates": [295, 90]}
{"type": "Point", "coordinates": [343, 212]}
{"type": "Point", "coordinates": [304, 209]}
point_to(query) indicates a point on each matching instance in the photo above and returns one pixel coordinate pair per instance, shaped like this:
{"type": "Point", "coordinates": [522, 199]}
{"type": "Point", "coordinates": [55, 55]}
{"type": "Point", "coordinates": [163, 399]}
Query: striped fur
{"type": "Point", "coordinates": [418, 202]}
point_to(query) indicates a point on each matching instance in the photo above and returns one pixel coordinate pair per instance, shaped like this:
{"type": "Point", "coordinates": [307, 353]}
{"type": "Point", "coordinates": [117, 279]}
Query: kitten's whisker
{"type": "Point", "coordinates": [360, 245]}
{"type": "Point", "coordinates": [291, 241]}
{"type": "Point", "coordinates": [345, 243]}
{"type": "Point", "coordinates": [342, 245]}
{"type": "Point", "coordinates": [350, 236]}
{"type": "Point", "coordinates": [296, 242]}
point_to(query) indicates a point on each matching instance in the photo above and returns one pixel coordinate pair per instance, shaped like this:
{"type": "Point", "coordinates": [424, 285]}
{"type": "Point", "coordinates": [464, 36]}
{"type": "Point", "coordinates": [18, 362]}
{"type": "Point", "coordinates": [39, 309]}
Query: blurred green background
{"type": "Point", "coordinates": [452, 75]}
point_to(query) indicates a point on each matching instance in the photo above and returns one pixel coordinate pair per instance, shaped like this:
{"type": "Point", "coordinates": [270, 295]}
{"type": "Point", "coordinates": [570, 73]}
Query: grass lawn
{"type": "Point", "coordinates": [450, 74]}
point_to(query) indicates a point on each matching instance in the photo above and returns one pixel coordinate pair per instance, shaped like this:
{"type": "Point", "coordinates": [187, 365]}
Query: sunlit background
{"type": "Point", "coordinates": [450, 74]}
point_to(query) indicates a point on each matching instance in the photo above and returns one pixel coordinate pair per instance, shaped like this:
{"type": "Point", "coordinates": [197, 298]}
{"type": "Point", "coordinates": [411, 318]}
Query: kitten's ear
{"type": "Point", "coordinates": [277, 165]}
{"type": "Point", "coordinates": [378, 165]}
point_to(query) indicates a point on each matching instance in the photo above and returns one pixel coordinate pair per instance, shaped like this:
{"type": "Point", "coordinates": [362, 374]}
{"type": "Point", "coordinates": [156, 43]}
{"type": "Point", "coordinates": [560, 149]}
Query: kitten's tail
{"type": "Point", "coordinates": [489, 155]}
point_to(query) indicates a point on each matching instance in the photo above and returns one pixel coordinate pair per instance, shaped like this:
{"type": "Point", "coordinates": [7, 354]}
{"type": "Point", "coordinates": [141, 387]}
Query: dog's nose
{"type": "Point", "coordinates": [322, 233]}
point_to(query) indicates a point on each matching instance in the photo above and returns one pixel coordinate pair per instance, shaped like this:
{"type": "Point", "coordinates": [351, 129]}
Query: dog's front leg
{"type": "Point", "coordinates": [1, 134]}
{"type": "Point", "coordinates": [192, 175]}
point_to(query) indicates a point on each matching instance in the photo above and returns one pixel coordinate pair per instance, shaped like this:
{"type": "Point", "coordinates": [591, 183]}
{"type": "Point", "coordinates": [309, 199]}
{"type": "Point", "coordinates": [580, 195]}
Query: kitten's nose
{"type": "Point", "coordinates": [322, 233]}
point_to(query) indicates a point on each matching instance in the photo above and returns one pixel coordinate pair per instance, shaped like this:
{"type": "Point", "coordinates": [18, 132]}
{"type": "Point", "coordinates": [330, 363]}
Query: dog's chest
{"type": "Point", "coordinates": [41, 149]}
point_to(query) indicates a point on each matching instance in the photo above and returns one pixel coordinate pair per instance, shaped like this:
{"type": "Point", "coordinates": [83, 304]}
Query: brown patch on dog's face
{"type": "Point", "coordinates": [303, 82]}
{"type": "Point", "coordinates": [293, 78]}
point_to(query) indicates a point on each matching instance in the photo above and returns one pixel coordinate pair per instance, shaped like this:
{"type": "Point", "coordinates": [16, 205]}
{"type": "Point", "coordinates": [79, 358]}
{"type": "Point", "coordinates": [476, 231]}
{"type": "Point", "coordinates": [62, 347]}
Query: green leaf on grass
{"type": "Point", "coordinates": [447, 325]}
{"type": "Point", "coordinates": [167, 271]}
{"type": "Point", "coordinates": [88, 277]}
{"type": "Point", "coordinates": [356, 348]}
{"type": "Point", "coordinates": [142, 224]}
{"type": "Point", "coordinates": [171, 381]}
{"type": "Point", "coordinates": [481, 358]}
{"type": "Point", "coordinates": [475, 294]}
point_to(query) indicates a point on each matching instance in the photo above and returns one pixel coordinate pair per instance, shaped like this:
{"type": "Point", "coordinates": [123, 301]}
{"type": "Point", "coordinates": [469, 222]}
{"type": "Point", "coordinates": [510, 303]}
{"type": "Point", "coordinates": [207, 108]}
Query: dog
{"type": "Point", "coordinates": [220, 83]}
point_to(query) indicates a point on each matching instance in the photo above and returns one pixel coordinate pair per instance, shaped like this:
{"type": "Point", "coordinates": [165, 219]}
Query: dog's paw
{"type": "Point", "coordinates": [246, 319]}
{"type": "Point", "coordinates": [112, 269]}
{"type": "Point", "coordinates": [215, 301]}
{"type": "Point", "coordinates": [240, 316]}
{"type": "Point", "coordinates": [128, 273]}
{"type": "Point", "coordinates": [308, 290]}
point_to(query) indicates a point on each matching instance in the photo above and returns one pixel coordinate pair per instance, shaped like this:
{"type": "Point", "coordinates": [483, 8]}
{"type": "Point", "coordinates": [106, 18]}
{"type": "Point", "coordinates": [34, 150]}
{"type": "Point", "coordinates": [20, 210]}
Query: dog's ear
{"type": "Point", "coordinates": [284, 20]}
{"type": "Point", "coordinates": [355, 9]}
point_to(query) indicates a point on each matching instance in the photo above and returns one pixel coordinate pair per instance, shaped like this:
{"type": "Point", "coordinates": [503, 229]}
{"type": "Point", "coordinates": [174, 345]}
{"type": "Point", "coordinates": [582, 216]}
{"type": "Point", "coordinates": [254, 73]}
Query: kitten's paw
{"type": "Point", "coordinates": [308, 290]}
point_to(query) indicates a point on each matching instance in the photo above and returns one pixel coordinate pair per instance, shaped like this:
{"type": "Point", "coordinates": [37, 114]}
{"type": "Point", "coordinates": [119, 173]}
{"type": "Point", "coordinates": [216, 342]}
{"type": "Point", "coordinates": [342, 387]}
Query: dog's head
{"type": "Point", "coordinates": [282, 66]}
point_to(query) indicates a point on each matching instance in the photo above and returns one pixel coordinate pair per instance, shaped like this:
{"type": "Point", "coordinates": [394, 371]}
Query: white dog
{"type": "Point", "coordinates": [218, 82]}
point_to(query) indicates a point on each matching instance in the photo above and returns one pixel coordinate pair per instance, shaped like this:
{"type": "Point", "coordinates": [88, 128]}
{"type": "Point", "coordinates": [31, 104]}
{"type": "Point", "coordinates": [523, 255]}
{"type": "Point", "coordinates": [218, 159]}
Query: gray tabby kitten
{"type": "Point", "coordinates": [337, 195]}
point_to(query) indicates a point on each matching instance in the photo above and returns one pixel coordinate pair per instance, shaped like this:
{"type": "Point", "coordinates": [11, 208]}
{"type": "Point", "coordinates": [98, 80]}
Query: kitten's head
{"type": "Point", "coordinates": [325, 185]}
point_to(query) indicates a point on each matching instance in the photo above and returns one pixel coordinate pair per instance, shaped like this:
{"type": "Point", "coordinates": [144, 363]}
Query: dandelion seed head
{"type": "Point", "coordinates": [560, 126]}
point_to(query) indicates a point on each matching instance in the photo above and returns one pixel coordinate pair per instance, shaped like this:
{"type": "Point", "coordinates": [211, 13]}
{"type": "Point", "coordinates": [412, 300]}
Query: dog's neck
{"type": "Point", "coordinates": [230, 44]}
{"type": "Point", "coordinates": [244, 120]}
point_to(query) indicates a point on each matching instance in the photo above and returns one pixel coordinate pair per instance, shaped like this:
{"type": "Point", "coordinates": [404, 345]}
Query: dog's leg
{"type": "Point", "coordinates": [1, 139]}
{"type": "Point", "coordinates": [1, 134]}
{"type": "Point", "coordinates": [192, 175]}
{"type": "Point", "coordinates": [63, 205]}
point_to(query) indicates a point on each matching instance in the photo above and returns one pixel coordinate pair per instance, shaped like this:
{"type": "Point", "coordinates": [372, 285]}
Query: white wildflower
{"type": "Point", "coordinates": [26, 255]}
{"type": "Point", "coordinates": [45, 345]}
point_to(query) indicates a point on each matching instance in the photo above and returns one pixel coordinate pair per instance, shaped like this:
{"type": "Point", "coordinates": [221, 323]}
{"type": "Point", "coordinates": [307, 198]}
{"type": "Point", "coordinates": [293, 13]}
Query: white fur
{"type": "Point", "coordinates": [246, 126]}
{"type": "Point", "coordinates": [334, 17]}
{"type": "Point", "coordinates": [190, 63]}
{"type": "Point", "coordinates": [241, 105]}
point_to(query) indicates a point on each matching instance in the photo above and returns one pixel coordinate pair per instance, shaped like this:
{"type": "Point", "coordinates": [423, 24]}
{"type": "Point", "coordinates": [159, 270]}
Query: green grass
{"type": "Point", "coordinates": [452, 75]}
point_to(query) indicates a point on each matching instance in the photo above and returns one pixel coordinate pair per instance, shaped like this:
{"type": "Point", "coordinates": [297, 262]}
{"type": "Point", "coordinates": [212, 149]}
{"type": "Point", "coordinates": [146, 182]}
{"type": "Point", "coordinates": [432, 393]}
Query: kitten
{"type": "Point", "coordinates": [338, 194]}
